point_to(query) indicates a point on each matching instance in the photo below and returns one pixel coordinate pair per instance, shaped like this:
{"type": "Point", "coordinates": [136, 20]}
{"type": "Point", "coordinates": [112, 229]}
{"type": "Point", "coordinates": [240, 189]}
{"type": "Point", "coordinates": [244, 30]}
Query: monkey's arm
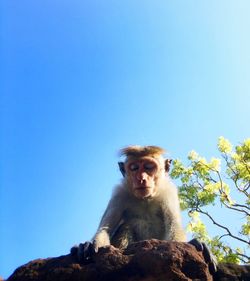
{"type": "Point", "coordinates": [174, 229]}
{"type": "Point", "coordinates": [110, 222]}
{"type": "Point", "coordinates": [172, 215]}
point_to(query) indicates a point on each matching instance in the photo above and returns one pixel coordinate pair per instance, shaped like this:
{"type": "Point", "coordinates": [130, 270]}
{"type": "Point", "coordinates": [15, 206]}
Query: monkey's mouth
{"type": "Point", "coordinates": [142, 188]}
{"type": "Point", "coordinates": [143, 192]}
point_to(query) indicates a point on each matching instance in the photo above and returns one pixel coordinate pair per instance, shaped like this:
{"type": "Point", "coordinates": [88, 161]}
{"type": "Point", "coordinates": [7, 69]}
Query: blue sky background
{"type": "Point", "coordinates": [81, 79]}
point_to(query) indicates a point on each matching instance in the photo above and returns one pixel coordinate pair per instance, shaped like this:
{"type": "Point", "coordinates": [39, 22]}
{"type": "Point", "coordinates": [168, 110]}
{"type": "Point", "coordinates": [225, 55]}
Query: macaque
{"type": "Point", "coordinates": [144, 205]}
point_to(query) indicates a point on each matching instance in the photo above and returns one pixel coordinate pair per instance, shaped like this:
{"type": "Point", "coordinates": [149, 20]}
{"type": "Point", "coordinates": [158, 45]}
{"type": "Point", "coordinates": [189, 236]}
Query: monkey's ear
{"type": "Point", "coordinates": [122, 168]}
{"type": "Point", "coordinates": [167, 164]}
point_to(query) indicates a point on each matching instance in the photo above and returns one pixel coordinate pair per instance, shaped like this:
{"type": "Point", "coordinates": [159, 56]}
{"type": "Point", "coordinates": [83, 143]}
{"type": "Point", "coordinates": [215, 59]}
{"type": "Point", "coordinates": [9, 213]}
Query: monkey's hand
{"type": "Point", "coordinates": [83, 252]}
{"type": "Point", "coordinates": [207, 254]}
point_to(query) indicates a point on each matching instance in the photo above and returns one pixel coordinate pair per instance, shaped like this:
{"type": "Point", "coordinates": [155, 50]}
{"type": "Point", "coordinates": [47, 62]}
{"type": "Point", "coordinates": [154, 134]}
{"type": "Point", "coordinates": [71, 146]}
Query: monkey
{"type": "Point", "coordinates": [145, 205]}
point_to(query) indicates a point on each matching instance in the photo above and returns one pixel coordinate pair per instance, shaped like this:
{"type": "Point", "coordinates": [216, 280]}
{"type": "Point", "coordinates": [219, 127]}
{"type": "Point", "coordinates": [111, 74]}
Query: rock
{"type": "Point", "coordinates": [232, 272]}
{"type": "Point", "coordinates": [149, 260]}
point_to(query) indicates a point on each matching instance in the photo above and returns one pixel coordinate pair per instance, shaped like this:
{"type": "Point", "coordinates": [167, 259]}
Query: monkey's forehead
{"type": "Point", "coordinates": [141, 151]}
{"type": "Point", "coordinates": [157, 159]}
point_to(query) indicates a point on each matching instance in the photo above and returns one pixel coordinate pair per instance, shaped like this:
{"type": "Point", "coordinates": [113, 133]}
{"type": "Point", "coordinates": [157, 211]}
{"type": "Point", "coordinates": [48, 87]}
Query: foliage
{"type": "Point", "coordinates": [226, 182]}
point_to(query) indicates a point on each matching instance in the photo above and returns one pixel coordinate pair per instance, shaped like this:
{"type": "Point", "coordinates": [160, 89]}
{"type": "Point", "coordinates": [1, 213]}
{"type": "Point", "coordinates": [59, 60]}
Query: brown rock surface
{"type": "Point", "coordinates": [150, 260]}
{"type": "Point", "coordinates": [232, 272]}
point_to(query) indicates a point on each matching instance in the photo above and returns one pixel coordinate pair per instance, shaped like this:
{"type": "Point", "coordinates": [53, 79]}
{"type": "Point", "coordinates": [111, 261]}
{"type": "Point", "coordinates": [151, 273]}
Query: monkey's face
{"type": "Point", "coordinates": [143, 175]}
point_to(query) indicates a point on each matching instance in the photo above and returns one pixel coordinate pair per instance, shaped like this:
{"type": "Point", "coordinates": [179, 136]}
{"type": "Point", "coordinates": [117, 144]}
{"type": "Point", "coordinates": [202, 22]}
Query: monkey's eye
{"type": "Point", "coordinates": [149, 166]}
{"type": "Point", "coordinates": [134, 167]}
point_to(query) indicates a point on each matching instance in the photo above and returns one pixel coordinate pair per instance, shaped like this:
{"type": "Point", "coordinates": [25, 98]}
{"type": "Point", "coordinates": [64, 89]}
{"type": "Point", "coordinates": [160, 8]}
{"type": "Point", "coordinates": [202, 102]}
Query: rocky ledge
{"type": "Point", "coordinates": [150, 260]}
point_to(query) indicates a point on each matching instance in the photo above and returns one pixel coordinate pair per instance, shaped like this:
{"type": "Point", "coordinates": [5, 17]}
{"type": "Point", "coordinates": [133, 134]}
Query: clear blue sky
{"type": "Point", "coordinates": [81, 79]}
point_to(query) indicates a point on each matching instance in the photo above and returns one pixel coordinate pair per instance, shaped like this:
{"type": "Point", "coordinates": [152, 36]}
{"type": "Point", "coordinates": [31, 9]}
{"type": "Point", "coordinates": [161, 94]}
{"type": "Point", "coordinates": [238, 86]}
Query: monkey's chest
{"type": "Point", "coordinates": [148, 228]}
{"type": "Point", "coordinates": [141, 225]}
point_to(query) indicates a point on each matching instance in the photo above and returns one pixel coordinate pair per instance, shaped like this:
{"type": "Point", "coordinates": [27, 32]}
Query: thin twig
{"type": "Point", "coordinates": [222, 226]}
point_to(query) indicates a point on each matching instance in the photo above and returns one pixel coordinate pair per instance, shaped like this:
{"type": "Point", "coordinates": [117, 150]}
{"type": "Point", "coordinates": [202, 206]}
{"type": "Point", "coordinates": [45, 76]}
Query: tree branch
{"type": "Point", "coordinates": [223, 227]}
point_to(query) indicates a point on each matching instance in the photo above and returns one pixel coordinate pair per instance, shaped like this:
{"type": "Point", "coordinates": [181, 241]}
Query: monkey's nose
{"type": "Point", "coordinates": [141, 176]}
